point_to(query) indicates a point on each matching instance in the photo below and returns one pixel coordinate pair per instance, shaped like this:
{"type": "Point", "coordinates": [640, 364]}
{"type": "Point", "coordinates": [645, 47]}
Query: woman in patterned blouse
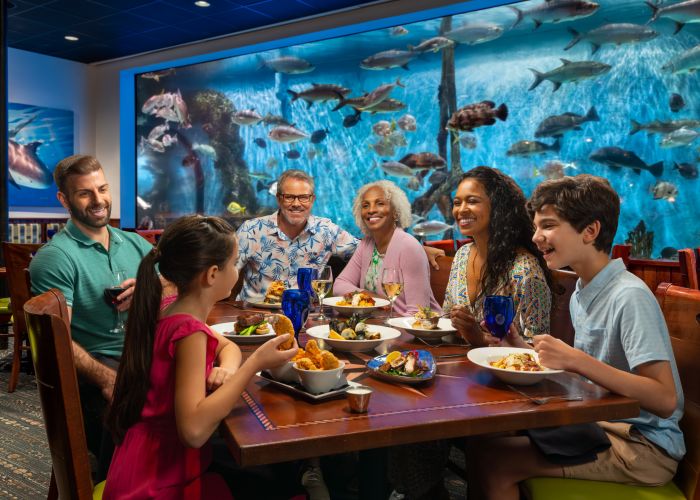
{"type": "Point", "coordinates": [502, 259]}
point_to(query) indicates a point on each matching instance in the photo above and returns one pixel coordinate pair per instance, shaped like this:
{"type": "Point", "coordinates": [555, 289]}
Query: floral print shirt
{"type": "Point", "coordinates": [266, 254]}
{"type": "Point", "coordinates": [372, 277]}
{"type": "Point", "coordinates": [526, 284]}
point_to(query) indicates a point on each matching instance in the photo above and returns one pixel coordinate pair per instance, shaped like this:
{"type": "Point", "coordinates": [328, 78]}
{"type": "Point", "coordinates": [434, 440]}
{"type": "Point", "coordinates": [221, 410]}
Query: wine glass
{"type": "Point", "coordinates": [113, 290]}
{"type": "Point", "coordinates": [322, 286]}
{"type": "Point", "coordinates": [304, 277]}
{"type": "Point", "coordinates": [392, 283]}
{"type": "Point", "coordinates": [498, 314]}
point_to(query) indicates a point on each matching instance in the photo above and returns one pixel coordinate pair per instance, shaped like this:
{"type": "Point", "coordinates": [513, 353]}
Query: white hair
{"type": "Point", "coordinates": [396, 197]}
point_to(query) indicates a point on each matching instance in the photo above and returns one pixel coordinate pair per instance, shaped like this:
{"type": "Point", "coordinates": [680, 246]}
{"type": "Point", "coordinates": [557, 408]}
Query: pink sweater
{"type": "Point", "coordinates": [404, 252]}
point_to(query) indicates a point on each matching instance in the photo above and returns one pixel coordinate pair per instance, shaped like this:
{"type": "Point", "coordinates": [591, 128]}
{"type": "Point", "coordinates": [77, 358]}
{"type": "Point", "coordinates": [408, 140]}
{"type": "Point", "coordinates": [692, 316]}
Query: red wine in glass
{"type": "Point", "coordinates": [111, 294]}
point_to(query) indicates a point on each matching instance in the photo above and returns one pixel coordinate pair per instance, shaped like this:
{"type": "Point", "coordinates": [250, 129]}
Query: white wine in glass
{"type": "Point", "coordinates": [392, 283]}
{"type": "Point", "coordinates": [322, 287]}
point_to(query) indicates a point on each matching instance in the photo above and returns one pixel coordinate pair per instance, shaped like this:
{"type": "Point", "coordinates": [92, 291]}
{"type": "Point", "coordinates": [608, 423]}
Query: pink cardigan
{"type": "Point", "coordinates": [404, 252]}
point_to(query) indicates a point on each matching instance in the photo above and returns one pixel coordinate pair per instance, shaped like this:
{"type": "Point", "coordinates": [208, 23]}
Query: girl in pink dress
{"type": "Point", "coordinates": [177, 379]}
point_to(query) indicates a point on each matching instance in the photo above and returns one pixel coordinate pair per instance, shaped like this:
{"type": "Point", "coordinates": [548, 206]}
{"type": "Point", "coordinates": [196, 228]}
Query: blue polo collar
{"type": "Point", "coordinates": [587, 294]}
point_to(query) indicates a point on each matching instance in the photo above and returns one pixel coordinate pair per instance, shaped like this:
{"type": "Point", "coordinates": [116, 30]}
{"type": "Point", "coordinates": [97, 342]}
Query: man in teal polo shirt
{"type": "Point", "coordinates": [81, 261]}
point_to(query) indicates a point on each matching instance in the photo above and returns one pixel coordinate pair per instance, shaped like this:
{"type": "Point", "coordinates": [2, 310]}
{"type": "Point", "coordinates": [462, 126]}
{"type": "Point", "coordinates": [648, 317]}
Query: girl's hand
{"type": "Point", "coordinates": [554, 353]}
{"type": "Point", "coordinates": [268, 356]}
{"type": "Point", "coordinates": [217, 377]}
{"type": "Point", "coordinates": [468, 328]}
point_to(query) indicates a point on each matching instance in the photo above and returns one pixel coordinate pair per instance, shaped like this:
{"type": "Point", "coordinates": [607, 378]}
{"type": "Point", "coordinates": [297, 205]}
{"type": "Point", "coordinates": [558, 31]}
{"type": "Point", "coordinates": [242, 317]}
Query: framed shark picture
{"type": "Point", "coordinates": [39, 137]}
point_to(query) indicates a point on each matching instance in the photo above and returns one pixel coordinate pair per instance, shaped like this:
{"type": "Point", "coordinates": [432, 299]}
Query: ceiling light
{"type": "Point", "coordinates": [202, 3]}
{"type": "Point", "coordinates": [71, 38]}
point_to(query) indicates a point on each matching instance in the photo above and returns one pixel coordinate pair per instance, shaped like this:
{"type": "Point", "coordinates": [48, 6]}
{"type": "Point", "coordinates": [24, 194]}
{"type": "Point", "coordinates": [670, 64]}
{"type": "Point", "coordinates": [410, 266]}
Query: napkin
{"type": "Point", "coordinates": [570, 444]}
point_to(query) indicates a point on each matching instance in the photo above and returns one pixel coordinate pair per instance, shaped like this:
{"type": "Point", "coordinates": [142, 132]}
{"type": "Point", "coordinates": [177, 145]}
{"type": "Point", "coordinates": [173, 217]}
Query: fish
{"type": "Point", "coordinates": [273, 189]}
{"type": "Point", "coordinates": [398, 31]}
{"type": "Point", "coordinates": [388, 59]}
{"type": "Point", "coordinates": [383, 128]}
{"type": "Point", "coordinates": [413, 183]}
{"type": "Point", "coordinates": [557, 125]}
{"type": "Point", "coordinates": [468, 141]}
{"type": "Point", "coordinates": [351, 120]}
{"type": "Point", "coordinates": [142, 204]}
{"type": "Point", "coordinates": [397, 169]}
{"type": "Point", "coordinates": [206, 150]}
{"type": "Point", "coordinates": [423, 161]}
{"type": "Point", "coordinates": [686, 62]}
{"type": "Point", "coordinates": [158, 139]}
{"type": "Point", "coordinates": [669, 253]}
{"type": "Point", "coordinates": [388, 105]}
{"type": "Point", "coordinates": [180, 107]}
{"type": "Point", "coordinates": [665, 190]}
{"type": "Point", "coordinates": [555, 11]}
{"type": "Point", "coordinates": [25, 168]}
{"type": "Point", "coordinates": [170, 106]}
{"type": "Point", "coordinates": [311, 153]}
{"type": "Point", "coordinates": [617, 158]}
{"type": "Point", "coordinates": [434, 44]}
{"type": "Point", "coordinates": [407, 122]}
{"type": "Point", "coordinates": [318, 136]}
{"type": "Point", "coordinates": [260, 176]}
{"type": "Point", "coordinates": [271, 162]}
{"type": "Point", "coordinates": [319, 92]}
{"type": "Point", "coordinates": [157, 101]}
{"type": "Point", "coordinates": [617, 33]}
{"type": "Point", "coordinates": [430, 227]}
{"type": "Point", "coordinates": [680, 13]}
{"type": "Point", "coordinates": [472, 34]}
{"type": "Point", "coordinates": [235, 208]}
{"type": "Point", "coordinates": [275, 120]}
{"type": "Point", "coordinates": [676, 102]}
{"type": "Point", "coordinates": [438, 177]}
{"type": "Point", "coordinates": [260, 142]}
{"type": "Point", "coordinates": [415, 219]}
{"type": "Point", "coordinates": [287, 64]}
{"type": "Point", "coordinates": [681, 137]}
{"type": "Point", "coordinates": [530, 148]}
{"type": "Point", "coordinates": [157, 75]}
{"type": "Point", "coordinates": [383, 148]}
{"type": "Point", "coordinates": [553, 169]}
{"type": "Point", "coordinates": [661, 127]}
{"type": "Point", "coordinates": [687, 170]}
{"type": "Point", "coordinates": [292, 154]}
{"type": "Point", "coordinates": [396, 139]}
{"type": "Point", "coordinates": [471, 116]}
{"type": "Point", "coordinates": [372, 98]}
{"type": "Point", "coordinates": [287, 134]}
{"type": "Point", "coordinates": [570, 72]}
{"type": "Point", "coordinates": [246, 117]}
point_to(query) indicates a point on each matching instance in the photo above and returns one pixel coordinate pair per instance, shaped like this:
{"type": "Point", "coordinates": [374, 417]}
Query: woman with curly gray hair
{"type": "Point", "coordinates": [381, 211]}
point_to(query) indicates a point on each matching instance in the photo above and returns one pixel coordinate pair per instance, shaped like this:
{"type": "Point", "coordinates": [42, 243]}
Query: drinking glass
{"type": "Point", "coordinates": [112, 291]}
{"type": "Point", "coordinates": [322, 286]}
{"type": "Point", "coordinates": [304, 277]}
{"type": "Point", "coordinates": [498, 314]}
{"type": "Point", "coordinates": [392, 283]}
{"type": "Point", "coordinates": [295, 305]}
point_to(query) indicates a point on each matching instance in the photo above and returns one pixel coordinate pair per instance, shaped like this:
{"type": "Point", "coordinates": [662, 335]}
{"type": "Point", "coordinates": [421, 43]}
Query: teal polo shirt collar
{"type": "Point", "coordinates": [586, 295]}
{"type": "Point", "coordinates": [74, 232]}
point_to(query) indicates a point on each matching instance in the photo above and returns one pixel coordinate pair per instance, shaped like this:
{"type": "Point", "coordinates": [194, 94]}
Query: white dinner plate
{"type": "Point", "coordinates": [321, 332]}
{"type": "Point", "coordinates": [349, 310]}
{"type": "Point", "coordinates": [227, 329]}
{"type": "Point", "coordinates": [483, 356]}
{"type": "Point", "coordinates": [264, 305]}
{"type": "Point", "coordinates": [444, 328]}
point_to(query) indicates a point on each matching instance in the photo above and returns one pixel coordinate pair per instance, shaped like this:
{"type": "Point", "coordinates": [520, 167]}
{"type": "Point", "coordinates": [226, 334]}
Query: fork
{"type": "Point", "coordinates": [545, 399]}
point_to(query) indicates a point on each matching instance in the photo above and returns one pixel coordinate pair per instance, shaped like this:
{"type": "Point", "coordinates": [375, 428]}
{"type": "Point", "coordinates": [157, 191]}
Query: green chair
{"type": "Point", "coordinates": [681, 308]}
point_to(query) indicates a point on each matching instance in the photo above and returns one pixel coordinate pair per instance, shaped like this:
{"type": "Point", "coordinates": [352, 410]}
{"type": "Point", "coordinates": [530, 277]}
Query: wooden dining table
{"type": "Point", "coordinates": [271, 425]}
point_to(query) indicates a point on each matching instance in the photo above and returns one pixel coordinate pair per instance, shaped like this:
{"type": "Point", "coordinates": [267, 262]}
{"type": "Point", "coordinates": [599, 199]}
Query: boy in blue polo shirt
{"type": "Point", "coordinates": [621, 343]}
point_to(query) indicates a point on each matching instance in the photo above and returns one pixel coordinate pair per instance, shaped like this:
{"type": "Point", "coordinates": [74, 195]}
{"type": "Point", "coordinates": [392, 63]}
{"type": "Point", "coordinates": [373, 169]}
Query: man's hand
{"type": "Point", "coordinates": [217, 377]}
{"type": "Point", "coordinates": [109, 377]}
{"type": "Point", "coordinates": [125, 297]}
{"type": "Point", "coordinates": [433, 253]}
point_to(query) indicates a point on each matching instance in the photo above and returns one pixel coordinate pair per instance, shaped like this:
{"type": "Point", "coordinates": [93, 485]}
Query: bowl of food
{"type": "Point", "coordinates": [251, 328]}
{"type": "Point", "coordinates": [284, 373]}
{"type": "Point", "coordinates": [353, 334]}
{"type": "Point", "coordinates": [426, 324]}
{"type": "Point", "coordinates": [355, 303]}
{"type": "Point", "coordinates": [318, 370]}
{"type": "Point", "coordinates": [512, 365]}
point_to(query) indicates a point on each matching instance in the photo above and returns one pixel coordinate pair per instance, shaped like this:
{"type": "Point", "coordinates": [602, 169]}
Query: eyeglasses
{"type": "Point", "coordinates": [289, 198]}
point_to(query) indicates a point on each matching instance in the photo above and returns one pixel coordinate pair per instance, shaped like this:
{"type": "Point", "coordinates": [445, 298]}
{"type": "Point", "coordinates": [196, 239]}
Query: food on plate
{"type": "Point", "coordinates": [404, 364]}
{"type": "Point", "coordinates": [251, 324]}
{"type": "Point", "coordinates": [353, 328]}
{"type": "Point", "coordinates": [314, 358]}
{"type": "Point", "coordinates": [274, 293]}
{"type": "Point", "coordinates": [426, 319]}
{"type": "Point", "coordinates": [518, 361]}
{"type": "Point", "coordinates": [356, 299]}
{"type": "Point", "coordinates": [283, 325]}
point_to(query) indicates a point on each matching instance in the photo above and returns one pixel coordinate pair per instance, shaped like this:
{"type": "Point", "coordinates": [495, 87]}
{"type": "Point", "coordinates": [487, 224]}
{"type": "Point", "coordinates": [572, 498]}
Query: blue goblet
{"type": "Point", "coordinates": [498, 314]}
{"type": "Point", "coordinates": [304, 277]}
{"type": "Point", "coordinates": [295, 305]}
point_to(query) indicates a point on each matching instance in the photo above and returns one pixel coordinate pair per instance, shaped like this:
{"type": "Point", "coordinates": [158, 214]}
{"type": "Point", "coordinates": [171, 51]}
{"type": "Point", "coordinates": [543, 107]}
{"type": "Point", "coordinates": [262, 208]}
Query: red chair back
{"type": "Point", "coordinates": [560, 324]}
{"type": "Point", "coordinates": [439, 279]}
{"type": "Point", "coordinates": [689, 268]}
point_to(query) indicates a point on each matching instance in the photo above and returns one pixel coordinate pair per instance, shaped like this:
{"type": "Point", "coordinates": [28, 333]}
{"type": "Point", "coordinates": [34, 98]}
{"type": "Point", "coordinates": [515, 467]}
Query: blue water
{"type": "Point", "coordinates": [635, 88]}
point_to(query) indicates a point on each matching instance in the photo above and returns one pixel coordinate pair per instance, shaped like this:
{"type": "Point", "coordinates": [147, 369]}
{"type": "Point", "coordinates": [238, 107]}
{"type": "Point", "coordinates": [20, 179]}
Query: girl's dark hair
{"type": "Point", "coordinates": [510, 227]}
{"type": "Point", "coordinates": [188, 246]}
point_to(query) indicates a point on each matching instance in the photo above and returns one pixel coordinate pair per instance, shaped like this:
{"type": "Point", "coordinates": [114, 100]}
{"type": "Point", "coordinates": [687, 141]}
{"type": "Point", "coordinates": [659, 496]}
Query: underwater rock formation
{"type": "Point", "coordinates": [214, 110]}
{"type": "Point", "coordinates": [641, 241]}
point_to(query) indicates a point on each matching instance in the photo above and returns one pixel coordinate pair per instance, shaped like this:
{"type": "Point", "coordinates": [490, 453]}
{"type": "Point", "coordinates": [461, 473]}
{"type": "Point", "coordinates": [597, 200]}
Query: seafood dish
{"type": "Point", "coordinates": [426, 319]}
{"type": "Point", "coordinates": [404, 364]}
{"type": "Point", "coordinates": [353, 328]}
{"type": "Point", "coordinates": [274, 293]}
{"type": "Point", "coordinates": [356, 299]}
{"type": "Point", "coordinates": [518, 361]}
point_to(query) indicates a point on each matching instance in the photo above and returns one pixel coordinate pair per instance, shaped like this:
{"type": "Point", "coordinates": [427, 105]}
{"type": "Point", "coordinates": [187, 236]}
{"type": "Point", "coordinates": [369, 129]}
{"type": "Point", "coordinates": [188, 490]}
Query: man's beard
{"type": "Point", "coordinates": [86, 219]}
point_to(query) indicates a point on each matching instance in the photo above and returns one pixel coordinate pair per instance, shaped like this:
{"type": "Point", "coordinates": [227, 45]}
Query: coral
{"type": "Point", "coordinates": [641, 241]}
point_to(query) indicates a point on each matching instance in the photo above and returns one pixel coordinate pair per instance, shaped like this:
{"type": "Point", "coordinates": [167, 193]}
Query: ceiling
{"type": "Point", "coordinates": [109, 30]}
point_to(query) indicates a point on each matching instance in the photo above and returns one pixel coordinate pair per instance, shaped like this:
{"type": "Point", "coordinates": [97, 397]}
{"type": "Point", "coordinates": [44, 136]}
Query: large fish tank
{"type": "Point", "coordinates": [210, 164]}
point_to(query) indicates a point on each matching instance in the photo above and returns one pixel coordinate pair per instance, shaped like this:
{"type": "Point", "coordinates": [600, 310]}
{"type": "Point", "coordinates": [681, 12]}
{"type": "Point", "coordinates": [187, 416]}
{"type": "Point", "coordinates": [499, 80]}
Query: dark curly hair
{"type": "Point", "coordinates": [510, 227]}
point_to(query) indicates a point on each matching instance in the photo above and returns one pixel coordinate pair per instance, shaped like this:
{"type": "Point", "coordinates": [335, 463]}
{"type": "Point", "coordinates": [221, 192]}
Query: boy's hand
{"type": "Point", "coordinates": [554, 353]}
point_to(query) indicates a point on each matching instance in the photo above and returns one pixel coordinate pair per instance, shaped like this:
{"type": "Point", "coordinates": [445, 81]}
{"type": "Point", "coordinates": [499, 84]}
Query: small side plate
{"type": "Point", "coordinates": [424, 356]}
{"type": "Point", "coordinates": [298, 390]}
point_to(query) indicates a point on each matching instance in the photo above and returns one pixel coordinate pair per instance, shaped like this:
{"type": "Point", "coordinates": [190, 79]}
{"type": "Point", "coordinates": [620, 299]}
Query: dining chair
{"type": "Point", "coordinates": [560, 325]}
{"type": "Point", "coordinates": [439, 279]}
{"type": "Point", "coordinates": [52, 353]}
{"type": "Point", "coordinates": [689, 268]}
{"type": "Point", "coordinates": [681, 309]}
{"type": "Point", "coordinates": [17, 258]}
